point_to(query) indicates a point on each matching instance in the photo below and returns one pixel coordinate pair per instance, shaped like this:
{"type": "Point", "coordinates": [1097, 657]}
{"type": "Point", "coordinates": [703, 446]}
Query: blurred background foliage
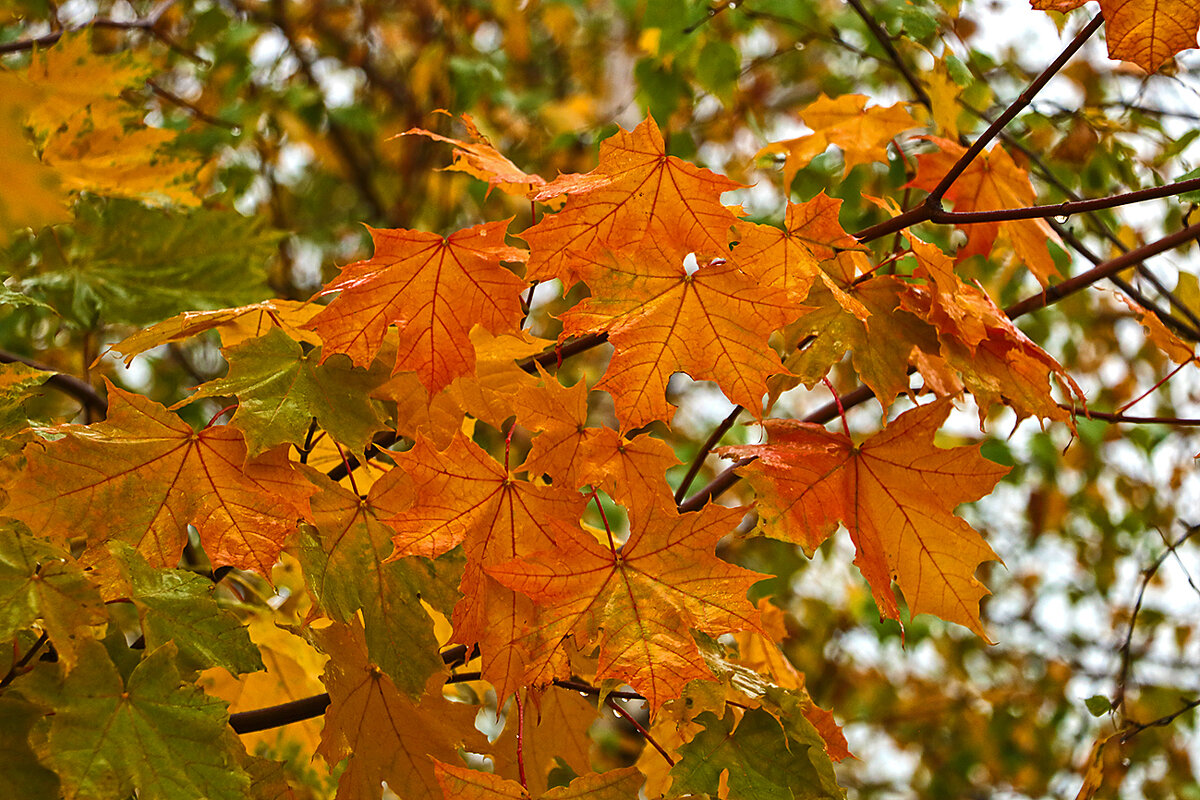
{"type": "Point", "coordinates": [289, 111]}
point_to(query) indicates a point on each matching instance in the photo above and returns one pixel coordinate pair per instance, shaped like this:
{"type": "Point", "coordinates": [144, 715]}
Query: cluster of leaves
{"type": "Point", "coordinates": [465, 483]}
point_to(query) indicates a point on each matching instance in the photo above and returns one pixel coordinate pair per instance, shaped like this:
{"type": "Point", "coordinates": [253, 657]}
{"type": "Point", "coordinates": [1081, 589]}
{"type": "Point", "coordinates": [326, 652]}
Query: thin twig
{"type": "Point", "coordinates": [1126, 647]}
{"type": "Point", "coordinates": [19, 665]}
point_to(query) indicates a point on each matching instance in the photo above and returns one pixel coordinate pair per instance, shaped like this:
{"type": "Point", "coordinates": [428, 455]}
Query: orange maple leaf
{"type": "Point", "coordinates": [385, 735]}
{"type": "Point", "coordinates": [640, 601]}
{"type": "Point", "coordinates": [788, 257]}
{"type": "Point", "coordinates": [861, 133]}
{"type": "Point", "coordinates": [1146, 32]}
{"type": "Point", "coordinates": [433, 289]}
{"type": "Point", "coordinates": [992, 182]}
{"type": "Point", "coordinates": [144, 475]}
{"type": "Point", "coordinates": [481, 160]}
{"type": "Point", "coordinates": [575, 455]}
{"type": "Point", "coordinates": [661, 317]}
{"type": "Point", "coordinates": [464, 496]}
{"type": "Point", "coordinates": [635, 185]}
{"type": "Point", "coordinates": [489, 394]}
{"type": "Point", "coordinates": [896, 493]}
{"type": "Point", "coordinates": [998, 362]}
{"type": "Point", "coordinates": [459, 783]}
{"type": "Point", "coordinates": [848, 312]}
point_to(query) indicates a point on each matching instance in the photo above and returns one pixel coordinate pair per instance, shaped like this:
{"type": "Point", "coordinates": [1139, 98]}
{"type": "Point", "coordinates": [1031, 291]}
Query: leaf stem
{"type": "Point", "coordinates": [841, 409]}
{"type": "Point", "coordinates": [520, 740]}
{"type": "Point", "coordinates": [625, 715]}
{"type": "Point", "coordinates": [611, 542]}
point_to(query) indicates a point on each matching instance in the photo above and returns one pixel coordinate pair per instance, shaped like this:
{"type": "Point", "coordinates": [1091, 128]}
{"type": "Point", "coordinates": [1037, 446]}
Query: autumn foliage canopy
{"type": "Point", "coordinates": [457, 518]}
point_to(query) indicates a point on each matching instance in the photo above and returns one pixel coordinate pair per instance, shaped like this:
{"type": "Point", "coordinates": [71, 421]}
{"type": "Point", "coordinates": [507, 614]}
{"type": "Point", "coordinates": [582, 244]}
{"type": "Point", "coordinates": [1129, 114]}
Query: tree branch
{"type": "Point", "coordinates": [147, 23]}
{"type": "Point", "coordinates": [67, 384]}
{"type": "Point", "coordinates": [932, 203]}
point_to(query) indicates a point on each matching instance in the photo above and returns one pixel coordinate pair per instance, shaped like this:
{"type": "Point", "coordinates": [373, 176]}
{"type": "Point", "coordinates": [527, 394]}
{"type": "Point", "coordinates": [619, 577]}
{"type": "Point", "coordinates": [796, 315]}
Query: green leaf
{"type": "Point", "coordinates": [718, 69]}
{"type": "Point", "coordinates": [178, 606]}
{"type": "Point", "coordinates": [41, 583]}
{"type": "Point", "coordinates": [760, 759]}
{"type": "Point", "coordinates": [17, 382]}
{"type": "Point", "coordinates": [280, 388]}
{"type": "Point", "coordinates": [126, 263]}
{"type": "Point", "coordinates": [1192, 196]}
{"type": "Point", "coordinates": [343, 558]}
{"type": "Point", "coordinates": [1098, 705]}
{"type": "Point", "coordinates": [151, 734]}
{"type": "Point", "coordinates": [20, 773]}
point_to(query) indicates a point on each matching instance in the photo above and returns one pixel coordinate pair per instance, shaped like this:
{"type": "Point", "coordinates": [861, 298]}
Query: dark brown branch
{"type": "Point", "coordinates": [705, 449]}
{"type": "Point", "coordinates": [147, 23]}
{"type": "Point", "coordinates": [885, 41]}
{"type": "Point", "coordinates": [1126, 648]}
{"type": "Point", "coordinates": [67, 384]}
{"type": "Point", "coordinates": [1107, 416]}
{"type": "Point", "coordinates": [1014, 108]}
{"type": "Point", "coordinates": [262, 719]}
{"type": "Point", "coordinates": [932, 203]}
{"type": "Point", "coordinates": [557, 354]}
{"type": "Point", "coordinates": [1063, 209]}
{"type": "Point", "coordinates": [1103, 270]}
{"type": "Point", "coordinates": [1134, 728]}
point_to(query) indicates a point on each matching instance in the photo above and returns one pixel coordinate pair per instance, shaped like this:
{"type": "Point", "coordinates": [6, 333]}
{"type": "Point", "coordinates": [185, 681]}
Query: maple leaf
{"type": "Point", "coordinates": [639, 602]}
{"type": "Point", "coordinates": [556, 730]}
{"type": "Point", "coordinates": [489, 394]}
{"type": "Point", "coordinates": [641, 187]}
{"type": "Point", "coordinates": [464, 496]}
{"type": "Point", "coordinates": [788, 257]}
{"type": "Point", "coordinates": [759, 758]}
{"type": "Point", "coordinates": [144, 475]}
{"type": "Point", "coordinates": [896, 494]}
{"type": "Point", "coordinates": [433, 289]}
{"type": "Point", "coordinates": [1146, 32]}
{"type": "Point", "coordinates": [41, 200]}
{"type": "Point", "coordinates": [68, 77]}
{"type": "Point", "coordinates": [385, 735]}
{"type": "Point", "coordinates": [998, 362]}
{"type": "Point", "coordinates": [281, 388]}
{"type": "Point", "coordinates": [847, 312]}
{"type": "Point", "coordinates": [460, 783]}
{"type": "Point", "coordinates": [293, 669]}
{"type": "Point", "coordinates": [992, 182]}
{"type": "Point", "coordinates": [21, 775]}
{"type": "Point", "coordinates": [481, 160]}
{"type": "Point", "coordinates": [146, 733]}
{"type": "Point", "coordinates": [176, 605]}
{"type": "Point", "coordinates": [861, 133]}
{"type": "Point", "coordinates": [236, 325]}
{"type": "Point", "coordinates": [662, 317]}
{"type": "Point", "coordinates": [343, 554]}
{"type": "Point", "coordinates": [575, 455]}
{"type": "Point", "coordinates": [41, 583]}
